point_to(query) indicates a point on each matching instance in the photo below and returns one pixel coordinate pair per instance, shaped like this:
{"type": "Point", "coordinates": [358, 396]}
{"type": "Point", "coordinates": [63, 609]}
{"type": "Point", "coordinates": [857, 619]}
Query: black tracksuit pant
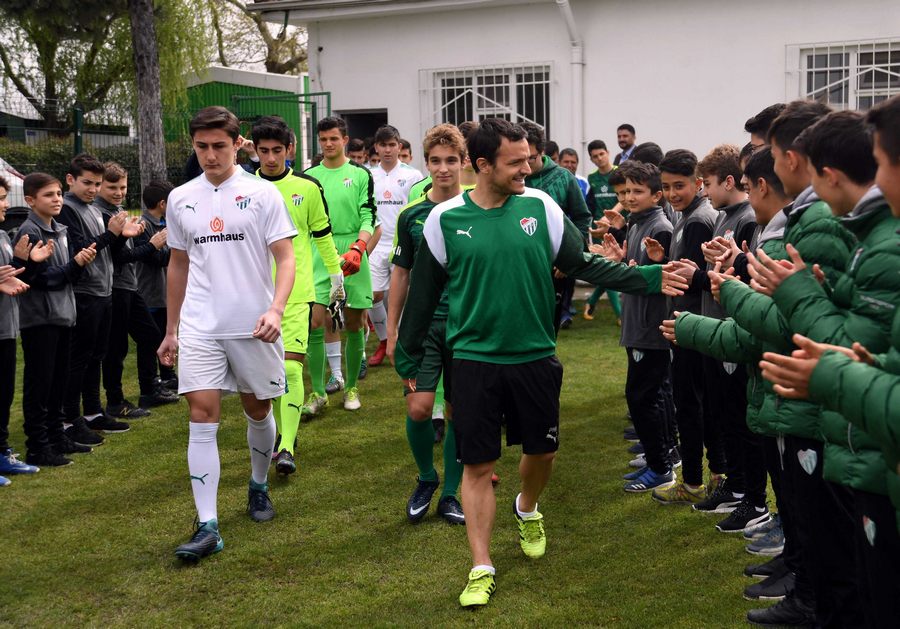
{"type": "Point", "coordinates": [46, 350]}
{"type": "Point", "coordinates": [159, 317]}
{"type": "Point", "coordinates": [648, 370]}
{"type": "Point", "coordinates": [89, 343]}
{"type": "Point", "coordinates": [688, 385]}
{"type": "Point", "coordinates": [878, 556]}
{"type": "Point", "coordinates": [7, 387]}
{"type": "Point", "coordinates": [130, 317]}
{"type": "Point", "coordinates": [726, 401]}
{"type": "Point", "coordinates": [824, 517]}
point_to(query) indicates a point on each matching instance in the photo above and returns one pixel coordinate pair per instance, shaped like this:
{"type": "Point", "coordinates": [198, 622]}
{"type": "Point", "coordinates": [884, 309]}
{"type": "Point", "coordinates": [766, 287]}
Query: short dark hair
{"type": "Point", "coordinates": [761, 165]}
{"type": "Point", "coordinates": [679, 162]}
{"type": "Point", "coordinates": [617, 177]}
{"type": "Point", "coordinates": [215, 117]}
{"type": "Point", "coordinates": [646, 175]}
{"type": "Point", "coordinates": [885, 118]}
{"type": "Point", "coordinates": [746, 152]}
{"type": "Point", "coordinates": [647, 152]}
{"type": "Point", "coordinates": [4, 184]}
{"type": "Point", "coordinates": [593, 145]}
{"type": "Point", "coordinates": [484, 141]}
{"type": "Point", "coordinates": [332, 122]}
{"type": "Point", "coordinates": [113, 172]}
{"type": "Point", "coordinates": [35, 182]}
{"type": "Point", "coordinates": [155, 192]}
{"type": "Point", "coordinates": [85, 162]}
{"type": "Point", "coordinates": [404, 144]}
{"type": "Point", "coordinates": [722, 161]}
{"type": "Point", "coordinates": [551, 148]}
{"type": "Point", "coordinates": [841, 140]}
{"type": "Point", "coordinates": [795, 117]}
{"type": "Point", "coordinates": [760, 123]}
{"type": "Point", "coordinates": [355, 144]}
{"type": "Point", "coordinates": [568, 151]}
{"type": "Point", "coordinates": [386, 133]}
{"type": "Point", "coordinates": [271, 128]}
{"type": "Point", "coordinates": [626, 127]}
{"type": "Point", "coordinates": [534, 134]}
{"type": "Point", "coordinates": [466, 127]}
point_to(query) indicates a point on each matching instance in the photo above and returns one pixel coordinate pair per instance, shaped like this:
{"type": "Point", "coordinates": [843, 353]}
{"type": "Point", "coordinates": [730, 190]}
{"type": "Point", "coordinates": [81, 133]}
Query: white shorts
{"type": "Point", "coordinates": [380, 267]}
{"type": "Point", "coordinates": [245, 365]}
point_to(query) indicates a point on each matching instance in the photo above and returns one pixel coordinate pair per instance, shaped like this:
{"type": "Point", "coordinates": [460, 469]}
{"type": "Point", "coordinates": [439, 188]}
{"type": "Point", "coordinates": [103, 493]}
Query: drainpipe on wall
{"type": "Point", "coordinates": [577, 64]}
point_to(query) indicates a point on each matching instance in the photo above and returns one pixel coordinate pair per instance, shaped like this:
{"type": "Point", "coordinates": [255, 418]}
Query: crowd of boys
{"type": "Point", "coordinates": [758, 319]}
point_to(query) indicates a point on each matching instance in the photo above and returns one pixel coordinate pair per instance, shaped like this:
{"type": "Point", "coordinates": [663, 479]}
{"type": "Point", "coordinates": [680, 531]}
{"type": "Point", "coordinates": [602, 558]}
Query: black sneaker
{"type": "Point", "coordinates": [284, 463]}
{"type": "Point", "coordinates": [440, 428]}
{"type": "Point", "coordinates": [47, 458]}
{"type": "Point", "coordinates": [788, 612]}
{"type": "Point", "coordinates": [107, 423]}
{"type": "Point", "coordinates": [450, 509]}
{"type": "Point", "coordinates": [418, 503]}
{"type": "Point", "coordinates": [82, 435]}
{"type": "Point", "coordinates": [772, 588]}
{"type": "Point", "coordinates": [170, 384]}
{"type": "Point", "coordinates": [636, 448]}
{"type": "Point", "coordinates": [67, 446]}
{"type": "Point", "coordinates": [126, 410]}
{"type": "Point", "coordinates": [204, 542]}
{"type": "Point", "coordinates": [775, 565]}
{"type": "Point", "coordinates": [720, 501]}
{"type": "Point", "coordinates": [259, 505]}
{"type": "Point", "coordinates": [159, 397]}
{"type": "Point", "coordinates": [745, 516]}
{"type": "Point", "coordinates": [630, 434]}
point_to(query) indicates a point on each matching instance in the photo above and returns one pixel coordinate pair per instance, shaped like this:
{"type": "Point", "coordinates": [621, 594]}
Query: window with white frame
{"type": "Point", "coordinates": [845, 75]}
{"type": "Point", "coordinates": [513, 92]}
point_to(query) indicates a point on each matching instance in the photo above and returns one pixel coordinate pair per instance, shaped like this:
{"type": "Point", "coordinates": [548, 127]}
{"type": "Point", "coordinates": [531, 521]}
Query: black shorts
{"type": "Point", "coordinates": [435, 362]}
{"type": "Point", "coordinates": [525, 397]}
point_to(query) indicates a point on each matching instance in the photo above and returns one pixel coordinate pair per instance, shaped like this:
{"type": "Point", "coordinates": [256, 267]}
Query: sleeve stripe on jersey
{"type": "Point", "coordinates": [322, 232]}
{"type": "Point", "coordinates": [433, 233]}
{"type": "Point", "coordinates": [321, 193]}
{"type": "Point", "coordinates": [554, 217]}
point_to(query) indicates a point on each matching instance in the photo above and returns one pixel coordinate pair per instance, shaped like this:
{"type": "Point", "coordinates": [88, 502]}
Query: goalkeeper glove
{"type": "Point", "coordinates": [351, 260]}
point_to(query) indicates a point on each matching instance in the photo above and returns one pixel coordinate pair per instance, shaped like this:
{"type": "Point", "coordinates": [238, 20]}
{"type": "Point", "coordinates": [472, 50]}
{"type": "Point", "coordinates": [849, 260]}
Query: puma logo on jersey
{"type": "Point", "coordinates": [460, 232]}
{"type": "Point", "coordinates": [277, 383]}
{"type": "Point", "coordinates": [191, 207]}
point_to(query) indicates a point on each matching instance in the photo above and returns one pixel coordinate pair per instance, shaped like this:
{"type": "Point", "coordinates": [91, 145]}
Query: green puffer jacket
{"type": "Point", "coordinates": [725, 340]}
{"type": "Point", "coordinates": [869, 397]}
{"type": "Point", "coordinates": [861, 309]}
{"type": "Point", "coordinates": [817, 235]}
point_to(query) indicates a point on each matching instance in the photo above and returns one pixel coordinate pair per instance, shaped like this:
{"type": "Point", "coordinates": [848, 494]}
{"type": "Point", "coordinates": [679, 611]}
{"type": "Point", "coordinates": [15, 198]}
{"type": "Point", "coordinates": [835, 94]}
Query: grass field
{"type": "Point", "coordinates": [91, 544]}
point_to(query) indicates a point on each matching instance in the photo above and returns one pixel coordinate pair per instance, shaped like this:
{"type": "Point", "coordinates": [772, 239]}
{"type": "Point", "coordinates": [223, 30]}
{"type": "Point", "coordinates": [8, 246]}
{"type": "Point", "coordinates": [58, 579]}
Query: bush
{"type": "Point", "coordinates": [53, 154]}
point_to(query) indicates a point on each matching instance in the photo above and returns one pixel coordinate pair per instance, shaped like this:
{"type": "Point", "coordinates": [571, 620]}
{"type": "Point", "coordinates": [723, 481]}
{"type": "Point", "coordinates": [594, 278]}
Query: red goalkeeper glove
{"type": "Point", "coordinates": [351, 260]}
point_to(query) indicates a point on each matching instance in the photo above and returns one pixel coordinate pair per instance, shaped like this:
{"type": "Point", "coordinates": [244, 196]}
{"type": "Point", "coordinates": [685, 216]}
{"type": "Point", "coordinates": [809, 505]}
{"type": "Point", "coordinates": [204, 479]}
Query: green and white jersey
{"type": "Point", "coordinates": [603, 193]}
{"type": "Point", "coordinates": [420, 188]}
{"type": "Point", "coordinates": [305, 202]}
{"type": "Point", "coordinates": [349, 194]}
{"type": "Point", "coordinates": [497, 266]}
{"type": "Point", "coordinates": [408, 237]}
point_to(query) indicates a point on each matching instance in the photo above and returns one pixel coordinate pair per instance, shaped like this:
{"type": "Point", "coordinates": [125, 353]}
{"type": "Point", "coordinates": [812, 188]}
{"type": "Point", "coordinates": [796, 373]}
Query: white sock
{"type": "Point", "coordinates": [203, 465]}
{"type": "Point", "coordinates": [738, 496]}
{"type": "Point", "coordinates": [525, 514]}
{"type": "Point", "coordinates": [333, 351]}
{"type": "Point", "coordinates": [378, 316]}
{"type": "Point", "coordinates": [484, 566]}
{"type": "Point", "coordinates": [261, 439]}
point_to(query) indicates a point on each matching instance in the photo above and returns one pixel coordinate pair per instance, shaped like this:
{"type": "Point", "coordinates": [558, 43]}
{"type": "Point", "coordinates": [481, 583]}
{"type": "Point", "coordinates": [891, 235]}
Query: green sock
{"type": "Point", "coordinates": [356, 343]}
{"type": "Point", "coordinates": [595, 296]}
{"type": "Point", "coordinates": [453, 469]}
{"type": "Point", "coordinates": [315, 356]}
{"type": "Point", "coordinates": [421, 441]}
{"type": "Point", "coordinates": [614, 301]}
{"type": "Point", "coordinates": [290, 404]}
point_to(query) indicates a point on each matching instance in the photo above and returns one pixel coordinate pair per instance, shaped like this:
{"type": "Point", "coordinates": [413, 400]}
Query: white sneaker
{"type": "Point", "coordinates": [351, 399]}
{"type": "Point", "coordinates": [639, 462]}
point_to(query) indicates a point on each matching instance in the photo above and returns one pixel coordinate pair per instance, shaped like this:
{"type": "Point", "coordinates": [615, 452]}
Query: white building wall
{"type": "Point", "coordinates": [685, 74]}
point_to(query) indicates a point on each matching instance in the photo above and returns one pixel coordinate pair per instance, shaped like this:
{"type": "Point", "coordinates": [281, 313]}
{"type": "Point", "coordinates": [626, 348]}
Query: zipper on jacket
{"type": "Point", "coordinates": [850, 438]}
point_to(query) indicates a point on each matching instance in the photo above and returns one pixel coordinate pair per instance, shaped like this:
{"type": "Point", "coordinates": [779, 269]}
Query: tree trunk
{"type": "Point", "coordinates": [151, 142]}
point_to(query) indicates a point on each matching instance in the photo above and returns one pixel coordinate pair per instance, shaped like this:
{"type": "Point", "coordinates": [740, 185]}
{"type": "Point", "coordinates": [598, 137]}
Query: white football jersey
{"type": "Point", "coordinates": [226, 232]}
{"type": "Point", "coordinates": [391, 195]}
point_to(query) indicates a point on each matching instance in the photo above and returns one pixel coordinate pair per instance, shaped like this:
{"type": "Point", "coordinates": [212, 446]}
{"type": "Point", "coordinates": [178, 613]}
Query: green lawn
{"type": "Point", "coordinates": [91, 544]}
